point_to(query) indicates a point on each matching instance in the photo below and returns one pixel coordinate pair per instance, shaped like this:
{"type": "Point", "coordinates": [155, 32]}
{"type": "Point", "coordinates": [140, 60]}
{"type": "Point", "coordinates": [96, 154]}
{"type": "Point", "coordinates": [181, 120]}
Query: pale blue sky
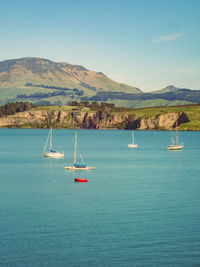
{"type": "Point", "coordinates": [149, 44]}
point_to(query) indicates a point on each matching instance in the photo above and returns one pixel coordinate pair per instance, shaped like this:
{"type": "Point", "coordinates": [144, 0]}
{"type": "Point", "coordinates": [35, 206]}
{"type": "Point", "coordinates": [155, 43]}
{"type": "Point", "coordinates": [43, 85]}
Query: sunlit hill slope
{"type": "Point", "coordinates": [36, 78]}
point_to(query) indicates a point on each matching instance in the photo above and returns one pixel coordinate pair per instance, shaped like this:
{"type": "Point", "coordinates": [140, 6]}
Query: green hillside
{"type": "Point", "coordinates": [44, 82]}
{"type": "Point", "coordinates": [26, 78]}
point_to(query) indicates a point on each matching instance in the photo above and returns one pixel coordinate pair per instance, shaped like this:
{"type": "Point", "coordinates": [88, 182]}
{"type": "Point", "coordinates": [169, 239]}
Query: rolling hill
{"type": "Point", "coordinates": [42, 81]}
{"type": "Point", "coordinates": [36, 78]}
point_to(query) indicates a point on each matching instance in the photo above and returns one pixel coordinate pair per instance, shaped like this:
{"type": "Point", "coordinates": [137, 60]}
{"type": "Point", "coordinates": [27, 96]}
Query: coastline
{"type": "Point", "coordinates": [185, 118]}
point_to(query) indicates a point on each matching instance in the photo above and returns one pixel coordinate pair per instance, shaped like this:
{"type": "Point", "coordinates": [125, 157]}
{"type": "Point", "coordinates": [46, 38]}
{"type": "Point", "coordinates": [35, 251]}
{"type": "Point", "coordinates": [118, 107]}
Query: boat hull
{"type": "Point", "coordinates": [178, 147]}
{"type": "Point", "coordinates": [132, 145]}
{"type": "Point", "coordinates": [54, 155]}
{"type": "Point", "coordinates": [79, 180]}
{"type": "Point", "coordinates": [78, 168]}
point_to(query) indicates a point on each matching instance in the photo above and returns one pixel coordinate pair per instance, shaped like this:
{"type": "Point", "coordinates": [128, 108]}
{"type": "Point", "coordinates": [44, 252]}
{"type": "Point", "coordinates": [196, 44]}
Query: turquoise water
{"type": "Point", "coordinates": [140, 207]}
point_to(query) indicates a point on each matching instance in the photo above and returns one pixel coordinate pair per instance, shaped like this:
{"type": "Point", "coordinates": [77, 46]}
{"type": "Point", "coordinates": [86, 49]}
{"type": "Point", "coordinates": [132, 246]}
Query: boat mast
{"type": "Point", "coordinates": [176, 135]}
{"type": "Point", "coordinates": [51, 139]}
{"type": "Point", "coordinates": [75, 149]}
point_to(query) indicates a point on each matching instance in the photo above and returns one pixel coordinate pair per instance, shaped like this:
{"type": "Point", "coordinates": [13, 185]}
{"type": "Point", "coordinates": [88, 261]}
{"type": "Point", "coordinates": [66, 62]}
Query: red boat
{"type": "Point", "coordinates": [80, 180]}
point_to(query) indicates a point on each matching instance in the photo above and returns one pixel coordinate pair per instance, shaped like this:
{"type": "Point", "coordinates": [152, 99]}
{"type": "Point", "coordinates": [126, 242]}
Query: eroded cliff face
{"type": "Point", "coordinates": [92, 120]}
{"type": "Point", "coordinates": [165, 121]}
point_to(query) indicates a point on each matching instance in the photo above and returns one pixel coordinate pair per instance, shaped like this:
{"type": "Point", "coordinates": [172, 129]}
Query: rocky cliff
{"type": "Point", "coordinates": [92, 120]}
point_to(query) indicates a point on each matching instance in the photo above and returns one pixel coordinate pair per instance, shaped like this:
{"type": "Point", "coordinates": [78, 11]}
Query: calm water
{"type": "Point", "coordinates": [140, 207]}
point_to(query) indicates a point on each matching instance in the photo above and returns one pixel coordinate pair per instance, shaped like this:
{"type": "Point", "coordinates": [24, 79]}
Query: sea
{"type": "Point", "coordinates": [140, 206]}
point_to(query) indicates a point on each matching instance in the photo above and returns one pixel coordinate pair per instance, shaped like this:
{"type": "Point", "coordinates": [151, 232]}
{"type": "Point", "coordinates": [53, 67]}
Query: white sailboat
{"type": "Point", "coordinates": [175, 145]}
{"type": "Point", "coordinates": [132, 145]}
{"type": "Point", "coordinates": [52, 153]}
{"type": "Point", "coordinates": [77, 166]}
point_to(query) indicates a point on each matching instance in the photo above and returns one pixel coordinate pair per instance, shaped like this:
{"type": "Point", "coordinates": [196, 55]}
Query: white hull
{"type": "Point", "coordinates": [79, 168]}
{"type": "Point", "coordinates": [132, 145]}
{"type": "Point", "coordinates": [54, 155]}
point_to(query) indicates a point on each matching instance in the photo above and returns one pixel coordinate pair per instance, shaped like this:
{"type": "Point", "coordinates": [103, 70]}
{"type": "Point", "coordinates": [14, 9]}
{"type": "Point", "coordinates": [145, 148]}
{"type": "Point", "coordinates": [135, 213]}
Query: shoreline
{"type": "Point", "coordinates": [157, 119]}
{"type": "Point", "coordinates": [102, 129]}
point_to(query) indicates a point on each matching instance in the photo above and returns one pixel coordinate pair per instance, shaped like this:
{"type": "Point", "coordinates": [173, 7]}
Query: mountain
{"type": "Point", "coordinates": [42, 81]}
{"type": "Point", "coordinates": [37, 78]}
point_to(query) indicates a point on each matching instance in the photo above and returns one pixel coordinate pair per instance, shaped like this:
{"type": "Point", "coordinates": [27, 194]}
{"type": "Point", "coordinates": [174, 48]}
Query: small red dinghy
{"type": "Point", "coordinates": [80, 180]}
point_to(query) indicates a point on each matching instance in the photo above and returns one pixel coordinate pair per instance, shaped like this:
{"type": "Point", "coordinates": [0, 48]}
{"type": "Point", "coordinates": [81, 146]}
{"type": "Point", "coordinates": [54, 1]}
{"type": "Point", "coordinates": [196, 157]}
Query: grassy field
{"type": "Point", "coordinates": [148, 103]}
{"type": "Point", "coordinates": [62, 108]}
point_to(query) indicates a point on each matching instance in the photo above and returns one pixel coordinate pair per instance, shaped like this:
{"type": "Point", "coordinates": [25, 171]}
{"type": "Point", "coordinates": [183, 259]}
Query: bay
{"type": "Point", "coordinates": [140, 206]}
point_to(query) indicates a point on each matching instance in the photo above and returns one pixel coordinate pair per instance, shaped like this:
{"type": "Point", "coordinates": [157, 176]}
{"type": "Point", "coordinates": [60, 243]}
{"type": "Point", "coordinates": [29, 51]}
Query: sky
{"type": "Point", "coordinates": [149, 44]}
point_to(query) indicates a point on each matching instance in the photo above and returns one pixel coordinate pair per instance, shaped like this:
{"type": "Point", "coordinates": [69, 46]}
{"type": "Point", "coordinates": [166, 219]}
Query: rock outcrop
{"type": "Point", "coordinates": [92, 120]}
{"type": "Point", "coordinates": [164, 121]}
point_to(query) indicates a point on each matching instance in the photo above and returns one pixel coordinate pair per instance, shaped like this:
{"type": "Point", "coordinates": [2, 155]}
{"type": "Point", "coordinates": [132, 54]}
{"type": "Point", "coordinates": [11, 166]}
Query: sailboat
{"type": "Point", "coordinates": [77, 166]}
{"type": "Point", "coordinates": [132, 145]}
{"type": "Point", "coordinates": [175, 145]}
{"type": "Point", "coordinates": [52, 153]}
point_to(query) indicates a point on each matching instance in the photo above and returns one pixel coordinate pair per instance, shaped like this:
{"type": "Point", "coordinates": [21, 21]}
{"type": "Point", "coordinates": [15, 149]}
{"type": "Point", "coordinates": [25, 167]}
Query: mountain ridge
{"type": "Point", "coordinates": [18, 72]}
{"type": "Point", "coordinates": [42, 81]}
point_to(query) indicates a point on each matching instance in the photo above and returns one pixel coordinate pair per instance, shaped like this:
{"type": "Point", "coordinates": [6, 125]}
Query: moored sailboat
{"type": "Point", "coordinates": [77, 166]}
{"type": "Point", "coordinates": [175, 145]}
{"type": "Point", "coordinates": [51, 153]}
{"type": "Point", "coordinates": [132, 145]}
